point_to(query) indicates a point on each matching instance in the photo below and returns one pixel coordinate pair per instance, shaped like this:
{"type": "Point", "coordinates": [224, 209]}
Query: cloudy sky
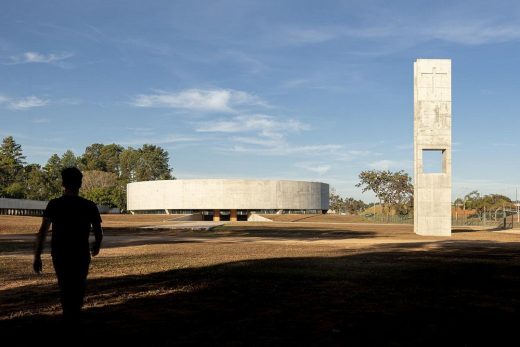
{"type": "Point", "coordinates": [307, 90]}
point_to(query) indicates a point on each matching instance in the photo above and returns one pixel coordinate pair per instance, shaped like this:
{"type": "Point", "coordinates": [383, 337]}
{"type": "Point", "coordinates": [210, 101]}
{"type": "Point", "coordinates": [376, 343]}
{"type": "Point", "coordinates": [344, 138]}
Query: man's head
{"type": "Point", "coordinates": [71, 178]}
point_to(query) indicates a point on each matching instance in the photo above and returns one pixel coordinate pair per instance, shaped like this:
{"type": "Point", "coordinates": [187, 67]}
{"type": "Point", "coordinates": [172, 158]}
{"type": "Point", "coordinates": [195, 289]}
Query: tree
{"type": "Point", "coordinates": [354, 206]}
{"type": "Point", "coordinates": [335, 201]}
{"type": "Point", "coordinates": [68, 159]}
{"type": "Point", "coordinates": [101, 196]}
{"type": "Point", "coordinates": [35, 183]}
{"type": "Point", "coordinates": [128, 163]}
{"type": "Point", "coordinates": [484, 203]}
{"type": "Point", "coordinates": [107, 170]}
{"type": "Point", "coordinates": [99, 187]}
{"type": "Point", "coordinates": [12, 162]}
{"type": "Point", "coordinates": [110, 157]}
{"type": "Point", "coordinates": [393, 189]}
{"type": "Point", "coordinates": [119, 195]}
{"type": "Point", "coordinates": [342, 205]}
{"type": "Point", "coordinates": [91, 159]}
{"type": "Point", "coordinates": [98, 179]}
{"type": "Point", "coordinates": [52, 171]}
{"type": "Point", "coordinates": [102, 158]}
{"type": "Point", "coordinates": [15, 190]}
{"type": "Point", "coordinates": [496, 202]}
{"type": "Point", "coordinates": [152, 164]}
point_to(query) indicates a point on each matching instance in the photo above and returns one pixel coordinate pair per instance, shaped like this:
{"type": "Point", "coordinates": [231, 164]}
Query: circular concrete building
{"type": "Point", "coordinates": [227, 199]}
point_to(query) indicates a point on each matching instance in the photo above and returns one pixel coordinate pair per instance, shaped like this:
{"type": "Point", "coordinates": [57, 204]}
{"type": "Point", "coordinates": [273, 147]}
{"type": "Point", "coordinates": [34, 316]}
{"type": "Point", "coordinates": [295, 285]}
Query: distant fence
{"type": "Point", "coordinates": [506, 221]}
{"type": "Point", "coordinates": [390, 219]}
{"type": "Point", "coordinates": [512, 221]}
{"type": "Point", "coordinates": [499, 219]}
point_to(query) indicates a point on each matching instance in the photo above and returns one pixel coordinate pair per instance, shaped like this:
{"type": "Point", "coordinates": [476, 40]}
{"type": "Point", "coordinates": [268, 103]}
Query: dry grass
{"type": "Point", "coordinates": [278, 284]}
{"type": "Point", "coordinates": [30, 225]}
{"type": "Point", "coordinates": [19, 224]}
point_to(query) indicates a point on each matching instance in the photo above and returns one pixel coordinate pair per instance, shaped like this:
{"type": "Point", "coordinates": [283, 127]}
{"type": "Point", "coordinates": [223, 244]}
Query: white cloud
{"type": "Point", "coordinates": [504, 144]}
{"type": "Point", "coordinates": [386, 164]}
{"type": "Point", "coordinates": [264, 125]}
{"type": "Point", "coordinates": [297, 83]}
{"type": "Point", "coordinates": [404, 147]}
{"type": "Point", "coordinates": [40, 120]}
{"type": "Point", "coordinates": [252, 64]}
{"type": "Point", "coordinates": [283, 149]}
{"type": "Point", "coordinates": [26, 103]}
{"type": "Point", "coordinates": [168, 139]}
{"type": "Point", "coordinates": [382, 164]}
{"type": "Point", "coordinates": [142, 131]}
{"type": "Point", "coordinates": [314, 167]}
{"type": "Point", "coordinates": [35, 57]}
{"type": "Point", "coordinates": [475, 32]}
{"type": "Point", "coordinates": [450, 27]}
{"type": "Point", "coordinates": [267, 135]}
{"type": "Point", "coordinates": [311, 35]}
{"type": "Point", "coordinates": [215, 100]}
{"type": "Point", "coordinates": [3, 99]}
{"type": "Point", "coordinates": [343, 154]}
{"type": "Point", "coordinates": [359, 153]}
{"type": "Point", "coordinates": [263, 134]}
{"type": "Point", "coordinates": [298, 35]}
{"type": "Point", "coordinates": [264, 142]}
{"type": "Point", "coordinates": [312, 149]}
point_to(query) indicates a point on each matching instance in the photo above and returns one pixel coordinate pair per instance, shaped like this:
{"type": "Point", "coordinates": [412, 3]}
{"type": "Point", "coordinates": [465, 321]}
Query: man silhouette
{"type": "Point", "coordinates": [72, 218]}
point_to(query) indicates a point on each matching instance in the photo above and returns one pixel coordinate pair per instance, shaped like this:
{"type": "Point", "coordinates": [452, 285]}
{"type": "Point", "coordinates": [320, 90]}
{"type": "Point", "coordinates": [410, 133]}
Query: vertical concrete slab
{"type": "Point", "coordinates": [432, 132]}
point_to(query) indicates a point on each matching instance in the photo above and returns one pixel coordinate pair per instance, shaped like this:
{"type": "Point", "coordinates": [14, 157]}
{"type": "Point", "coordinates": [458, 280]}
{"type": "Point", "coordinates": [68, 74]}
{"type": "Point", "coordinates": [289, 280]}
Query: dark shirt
{"type": "Point", "coordinates": [72, 218]}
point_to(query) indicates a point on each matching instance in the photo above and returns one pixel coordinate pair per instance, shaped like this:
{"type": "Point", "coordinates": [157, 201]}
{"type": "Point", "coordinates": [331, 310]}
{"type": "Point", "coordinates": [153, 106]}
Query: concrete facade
{"type": "Point", "coordinates": [432, 132]}
{"type": "Point", "coordinates": [227, 194]}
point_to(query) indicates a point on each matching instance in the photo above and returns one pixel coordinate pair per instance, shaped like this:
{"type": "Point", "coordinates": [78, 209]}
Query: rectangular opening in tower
{"type": "Point", "coordinates": [434, 160]}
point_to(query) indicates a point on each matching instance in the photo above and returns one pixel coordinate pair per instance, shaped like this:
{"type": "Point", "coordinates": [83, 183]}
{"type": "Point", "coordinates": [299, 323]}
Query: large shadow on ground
{"type": "Point", "coordinates": [125, 237]}
{"type": "Point", "coordinates": [455, 294]}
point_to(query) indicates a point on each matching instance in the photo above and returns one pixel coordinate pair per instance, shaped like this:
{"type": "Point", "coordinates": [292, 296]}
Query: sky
{"type": "Point", "coordinates": [297, 90]}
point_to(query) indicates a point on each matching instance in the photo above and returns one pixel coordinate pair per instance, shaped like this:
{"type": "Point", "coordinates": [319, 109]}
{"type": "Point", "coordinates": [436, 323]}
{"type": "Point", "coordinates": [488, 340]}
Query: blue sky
{"type": "Point", "coordinates": [307, 90]}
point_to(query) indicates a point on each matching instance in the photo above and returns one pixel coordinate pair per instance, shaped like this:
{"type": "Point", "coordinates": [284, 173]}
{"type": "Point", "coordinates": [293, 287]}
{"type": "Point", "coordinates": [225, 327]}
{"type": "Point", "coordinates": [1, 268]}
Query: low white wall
{"type": "Point", "coordinates": [227, 194]}
{"type": "Point", "coordinates": [22, 204]}
{"type": "Point", "coordinates": [21, 207]}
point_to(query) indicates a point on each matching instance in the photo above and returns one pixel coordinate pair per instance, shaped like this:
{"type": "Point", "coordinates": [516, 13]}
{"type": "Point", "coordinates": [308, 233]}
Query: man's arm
{"type": "Point", "coordinates": [98, 234]}
{"type": "Point", "coordinates": [38, 247]}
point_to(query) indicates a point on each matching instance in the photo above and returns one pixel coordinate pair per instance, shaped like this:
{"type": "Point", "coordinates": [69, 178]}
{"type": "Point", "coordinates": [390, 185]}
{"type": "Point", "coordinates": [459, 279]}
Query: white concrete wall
{"type": "Point", "coordinates": [432, 131]}
{"type": "Point", "coordinates": [208, 194]}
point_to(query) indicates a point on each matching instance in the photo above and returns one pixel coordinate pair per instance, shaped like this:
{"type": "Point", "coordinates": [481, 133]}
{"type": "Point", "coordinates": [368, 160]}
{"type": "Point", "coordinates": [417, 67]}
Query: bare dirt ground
{"type": "Point", "coordinates": [301, 283]}
{"type": "Point", "coordinates": [329, 218]}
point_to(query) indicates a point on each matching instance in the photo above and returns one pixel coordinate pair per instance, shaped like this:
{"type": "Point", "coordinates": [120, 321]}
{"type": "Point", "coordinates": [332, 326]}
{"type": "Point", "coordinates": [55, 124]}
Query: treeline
{"type": "Point", "coordinates": [394, 190]}
{"type": "Point", "coordinates": [106, 171]}
{"type": "Point", "coordinates": [395, 193]}
{"type": "Point", "coordinates": [340, 204]}
{"type": "Point", "coordinates": [481, 204]}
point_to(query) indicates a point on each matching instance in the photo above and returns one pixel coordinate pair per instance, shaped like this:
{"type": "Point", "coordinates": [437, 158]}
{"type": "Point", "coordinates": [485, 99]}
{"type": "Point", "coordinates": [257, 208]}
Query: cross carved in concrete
{"type": "Point", "coordinates": [434, 75]}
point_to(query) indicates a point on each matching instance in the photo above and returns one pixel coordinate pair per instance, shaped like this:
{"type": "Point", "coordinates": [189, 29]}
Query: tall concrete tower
{"type": "Point", "coordinates": [432, 147]}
